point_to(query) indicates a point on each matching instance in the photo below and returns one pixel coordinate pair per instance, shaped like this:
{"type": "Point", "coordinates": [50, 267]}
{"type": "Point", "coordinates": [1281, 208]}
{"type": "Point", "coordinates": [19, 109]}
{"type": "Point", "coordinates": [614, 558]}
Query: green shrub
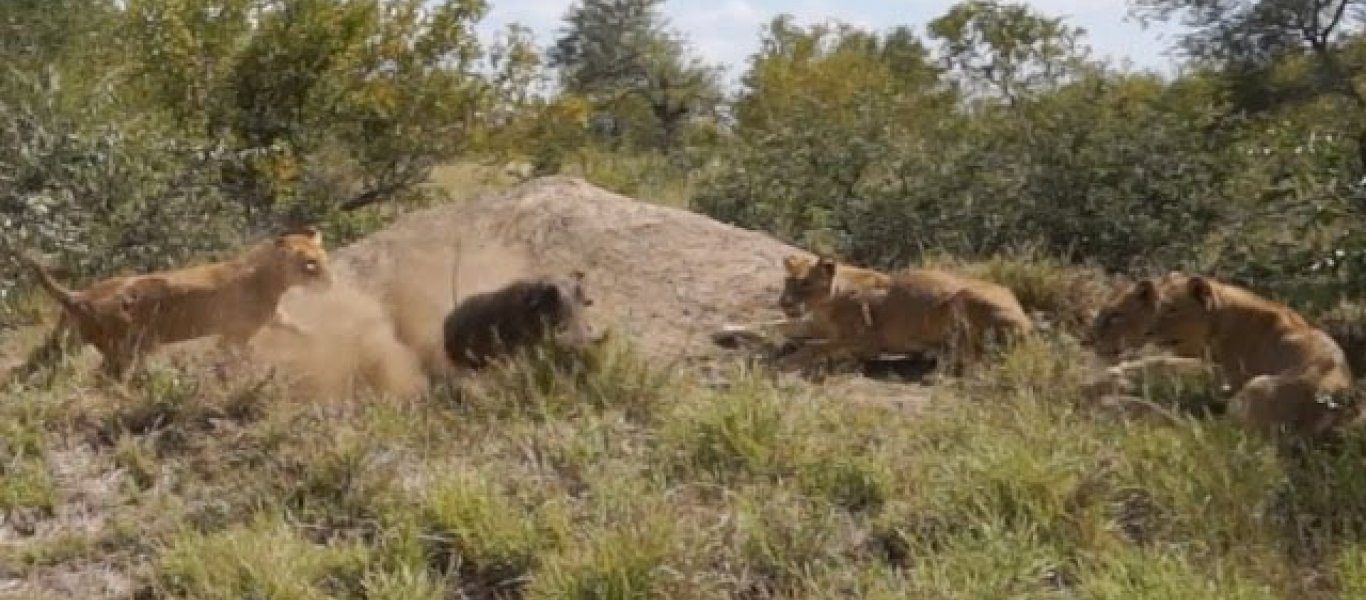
{"type": "Point", "coordinates": [261, 559]}
{"type": "Point", "coordinates": [480, 532]}
{"type": "Point", "coordinates": [616, 563]}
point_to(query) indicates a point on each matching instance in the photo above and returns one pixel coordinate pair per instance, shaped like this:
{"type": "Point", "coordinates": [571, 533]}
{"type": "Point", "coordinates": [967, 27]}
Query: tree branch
{"type": "Point", "coordinates": [394, 181]}
{"type": "Point", "coordinates": [1337, 18]}
{"type": "Point", "coordinates": [370, 196]}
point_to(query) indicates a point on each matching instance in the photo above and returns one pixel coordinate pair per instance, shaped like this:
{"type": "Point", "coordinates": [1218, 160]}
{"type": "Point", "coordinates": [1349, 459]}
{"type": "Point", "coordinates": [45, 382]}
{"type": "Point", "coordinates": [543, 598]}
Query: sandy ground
{"type": "Point", "coordinates": [665, 277]}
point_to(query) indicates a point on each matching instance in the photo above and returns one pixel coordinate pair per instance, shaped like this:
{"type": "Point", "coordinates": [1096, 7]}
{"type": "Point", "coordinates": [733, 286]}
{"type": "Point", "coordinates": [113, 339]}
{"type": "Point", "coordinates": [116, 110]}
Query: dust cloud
{"type": "Point", "coordinates": [379, 329]}
{"type": "Point", "coordinates": [664, 277]}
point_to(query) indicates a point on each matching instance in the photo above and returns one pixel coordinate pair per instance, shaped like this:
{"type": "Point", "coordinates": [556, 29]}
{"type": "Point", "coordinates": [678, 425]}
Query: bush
{"type": "Point", "coordinates": [264, 558]}
{"type": "Point", "coordinates": [1057, 173]}
{"type": "Point", "coordinates": [107, 197]}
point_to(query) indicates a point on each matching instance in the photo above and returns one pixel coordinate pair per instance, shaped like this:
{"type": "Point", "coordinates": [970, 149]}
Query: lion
{"type": "Point", "coordinates": [1121, 325]}
{"type": "Point", "coordinates": [1286, 375]}
{"type": "Point", "coordinates": [126, 317]}
{"type": "Point", "coordinates": [918, 310]}
{"type": "Point", "coordinates": [846, 278]}
{"type": "Point", "coordinates": [793, 326]}
{"type": "Point", "coordinates": [1120, 329]}
{"type": "Point", "coordinates": [494, 324]}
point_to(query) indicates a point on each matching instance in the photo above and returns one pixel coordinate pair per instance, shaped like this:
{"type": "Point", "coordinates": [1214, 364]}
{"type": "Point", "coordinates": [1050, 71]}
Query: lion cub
{"type": "Point", "coordinates": [794, 325]}
{"type": "Point", "coordinates": [127, 317]}
{"type": "Point", "coordinates": [1285, 373]}
{"type": "Point", "coordinates": [914, 311]}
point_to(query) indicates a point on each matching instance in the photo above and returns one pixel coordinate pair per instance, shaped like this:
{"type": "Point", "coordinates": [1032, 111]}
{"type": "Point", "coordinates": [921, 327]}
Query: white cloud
{"type": "Point", "coordinates": [722, 32]}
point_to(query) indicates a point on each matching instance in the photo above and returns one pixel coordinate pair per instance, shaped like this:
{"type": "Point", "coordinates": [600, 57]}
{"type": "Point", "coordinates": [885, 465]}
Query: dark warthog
{"type": "Point", "coordinates": [523, 313]}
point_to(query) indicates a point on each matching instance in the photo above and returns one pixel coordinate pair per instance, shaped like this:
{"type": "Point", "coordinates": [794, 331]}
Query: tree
{"type": "Point", "coordinates": [617, 51]}
{"type": "Point", "coordinates": [381, 89]}
{"type": "Point", "coordinates": [1007, 48]}
{"type": "Point", "coordinates": [818, 72]}
{"type": "Point", "coordinates": [72, 42]}
{"type": "Point", "coordinates": [819, 120]}
{"type": "Point", "coordinates": [523, 119]}
{"type": "Point", "coordinates": [1253, 31]}
{"type": "Point", "coordinates": [1255, 41]}
{"type": "Point", "coordinates": [852, 137]}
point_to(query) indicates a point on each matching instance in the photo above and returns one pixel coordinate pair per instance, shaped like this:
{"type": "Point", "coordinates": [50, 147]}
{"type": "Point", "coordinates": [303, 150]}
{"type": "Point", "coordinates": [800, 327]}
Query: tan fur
{"type": "Point", "coordinates": [847, 278]}
{"type": "Point", "coordinates": [1121, 326]}
{"type": "Point", "coordinates": [1284, 372]}
{"type": "Point", "coordinates": [126, 317]}
{"type": "Point", "coordinates": [794, 325]}
{"type": "Point", "coordinates": [1119, 329]}
{"type": "Point", "coordinates": [918, 310]}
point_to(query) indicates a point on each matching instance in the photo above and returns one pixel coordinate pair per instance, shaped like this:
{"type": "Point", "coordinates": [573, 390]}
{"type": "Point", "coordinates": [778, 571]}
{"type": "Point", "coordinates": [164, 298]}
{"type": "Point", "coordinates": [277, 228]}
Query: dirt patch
{"type": "Point", "coordinates": [664, 276]}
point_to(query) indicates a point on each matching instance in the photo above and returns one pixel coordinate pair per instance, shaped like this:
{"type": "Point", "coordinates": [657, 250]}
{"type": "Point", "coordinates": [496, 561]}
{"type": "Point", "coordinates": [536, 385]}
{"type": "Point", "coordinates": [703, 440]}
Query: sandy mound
{"type": "Point", "coordinates": [664, 276]}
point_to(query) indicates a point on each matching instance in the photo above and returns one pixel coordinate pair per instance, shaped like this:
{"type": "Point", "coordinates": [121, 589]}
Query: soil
{"type": "Point", "coordinates": [665, 277]}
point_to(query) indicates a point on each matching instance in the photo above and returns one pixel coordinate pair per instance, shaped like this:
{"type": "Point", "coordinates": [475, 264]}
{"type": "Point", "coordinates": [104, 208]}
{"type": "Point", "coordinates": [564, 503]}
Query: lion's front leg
{"type": "Point", "coordinates": [232, 348]}
{"type": "Point", "coordinates": [812, 352]}
{"type": "Point", "coordinates": [733, 335]}
{"type": "Point", "coordinates": [281, 320]}
{"type": "Point", "coordinates": [1130, 376]}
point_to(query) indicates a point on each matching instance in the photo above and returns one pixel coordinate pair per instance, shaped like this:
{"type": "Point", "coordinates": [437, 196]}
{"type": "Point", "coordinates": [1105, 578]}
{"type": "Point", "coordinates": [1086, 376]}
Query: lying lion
{"type": "Point", "coordinates": [866, 314]}
{"type": "Point", "coordinates": [1120, 328]}
{"type": "Point", "coordinates": [126, 317]}
{"type": "Point", "coordinates": [794, 326]}
{"type": "Point", "coordinates": [1285, 373]}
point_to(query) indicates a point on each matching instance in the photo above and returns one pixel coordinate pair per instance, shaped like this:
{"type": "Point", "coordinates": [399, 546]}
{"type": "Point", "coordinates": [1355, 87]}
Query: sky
{"type": "Point", "coordinates": [727, 31]}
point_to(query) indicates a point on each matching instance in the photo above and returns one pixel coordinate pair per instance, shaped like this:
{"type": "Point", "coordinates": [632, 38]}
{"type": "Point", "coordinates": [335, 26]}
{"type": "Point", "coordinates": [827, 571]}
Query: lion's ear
{"type": "Point", "coordinates": [1201, 290]}
{"type": "Point", "coordinates": [793, 264]}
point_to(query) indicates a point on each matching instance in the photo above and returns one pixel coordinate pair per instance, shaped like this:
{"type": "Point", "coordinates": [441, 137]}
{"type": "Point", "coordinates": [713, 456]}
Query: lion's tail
{"type": "Point", "coordinates": [60, 293]}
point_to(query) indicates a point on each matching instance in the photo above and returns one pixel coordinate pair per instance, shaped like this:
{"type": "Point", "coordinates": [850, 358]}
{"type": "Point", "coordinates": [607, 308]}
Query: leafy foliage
{"type": "Point", "coordinates": [383, 90]}
{"type": "Point", "coordinates": [106, 196]}
{"type": "Point", "coordinates": [1009, 137]}
{"type": "Point", "coordinates": [209, 119]}
{"type": "Point", "coordinates": [1006, 47]}
{"type": "Point", "coordinates": [621, 55]}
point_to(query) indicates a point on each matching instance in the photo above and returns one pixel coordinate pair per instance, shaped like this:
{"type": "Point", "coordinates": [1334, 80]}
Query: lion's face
{"type": "Point", "coordinates": [304, 260]}
{"type": "Point", "coordinates": [1123, 324]}
{"type": "Point", "coordinates": [1183, 321]}
{"type": "Point", "coordinates": [808, 281]}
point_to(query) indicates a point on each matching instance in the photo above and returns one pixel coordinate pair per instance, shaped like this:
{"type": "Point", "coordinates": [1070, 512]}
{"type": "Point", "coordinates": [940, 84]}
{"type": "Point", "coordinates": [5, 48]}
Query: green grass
{"type": "Point", "coordinates": [1064, 293]}
{"type": "Point", "coordinates": [25, 475]}
{"type": "Point", "coordinates": [650, 177]}
{"type": "Point", "coordinates": [624, 479]}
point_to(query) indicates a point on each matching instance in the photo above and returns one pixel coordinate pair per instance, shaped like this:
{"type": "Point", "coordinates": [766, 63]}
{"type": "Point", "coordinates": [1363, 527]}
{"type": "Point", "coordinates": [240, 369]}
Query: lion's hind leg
{"type": "Point", "coordinates": [1291, 404]}
{"type": "Point", "coordinates": [61, 340]}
